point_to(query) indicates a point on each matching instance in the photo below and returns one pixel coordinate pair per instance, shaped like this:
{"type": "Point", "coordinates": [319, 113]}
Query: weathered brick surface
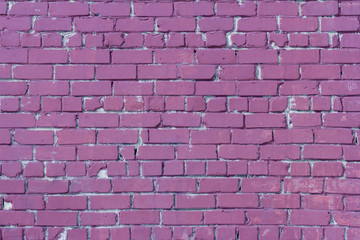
{"type": "Point", "coordinates": [211, 119]}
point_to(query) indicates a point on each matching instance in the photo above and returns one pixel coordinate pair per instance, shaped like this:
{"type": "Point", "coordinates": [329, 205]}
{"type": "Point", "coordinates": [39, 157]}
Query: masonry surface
{"type": "Point", "coordinates": [180, 120]}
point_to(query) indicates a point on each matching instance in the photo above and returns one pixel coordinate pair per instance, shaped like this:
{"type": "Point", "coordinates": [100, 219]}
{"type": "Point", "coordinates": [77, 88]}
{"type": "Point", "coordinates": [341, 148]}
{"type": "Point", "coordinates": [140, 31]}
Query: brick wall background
{"type": "Point", "coordinates": [180, 120]}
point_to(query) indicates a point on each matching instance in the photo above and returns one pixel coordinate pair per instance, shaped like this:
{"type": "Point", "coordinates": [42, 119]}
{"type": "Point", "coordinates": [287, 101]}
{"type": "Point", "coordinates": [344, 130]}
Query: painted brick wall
{"type": "Point", "coordinates": [180, 120]}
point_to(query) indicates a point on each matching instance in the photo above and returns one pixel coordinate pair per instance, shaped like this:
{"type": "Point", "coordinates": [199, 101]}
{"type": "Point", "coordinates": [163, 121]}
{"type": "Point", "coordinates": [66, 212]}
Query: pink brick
{"type": "Point", "coordinates": [215, 56]}
{"type": "Point", "coordinates": [238, 72]}
{"type": "Point", "coordinates": [163, 201]}
{"type": "Point", "coordinates": [238, 152]}
{"type": "Point", "coordinates": [301, 217]}
{"type": "Point", "coordinates": [153, 9]}
{"type": "Point", "coordinates": [49, 153]}
{"type": "Point", "coordinates": [278, 8]}
{"type": "Point", "coordinates": [215, 88]}
{"type": "Point", "coordinates": [135, 24]}
{"type": "Point", "coordinates": [194, 9]}
{"type": "Point", "coordinates": [52, 24]}
{"type": "Point", "coordinates": [33, 72]}
{"type": "Point", "coordinates": [34, 137]}
{"type": "Point", "coordinates": [293, 136]}
{"type": "Point", "coordinates": [322, 152]}
{"type": "Point", "coordinates": [71, 72]}
{"type": "Point", "coordinates": [224, 217]}
{"type": "Point", "coordinates": [176, 24]}
{"type": "Point", "coordinates": [343, 24]}
{"type": "Point", "coordinates": [197, 72]}
{"type": "Point", "coordinates": [93, 24]}
{"type": "Point", "coordinates": [197, 152]}
{"type": "Point", "coordinates": [258, 185]}
{"type": "Point", "coordinates": [111, 9]}
{"type": "Point", "coordinates": [309, 24]}
{"type": "Point", "coordinates": [157, 72]}
{"type": "Point", "coordinates": [218, 120]}
{"type": "Point", "coordinates": [182, 217]}
{"type": "Point", "coordinates": [299, 88]}
{"type": "Point", "coordinates": [90, 56]}
{"type": "Point", "coordinates": [167, 136]}
{"type": "Point", "coordinates": [256, 24]}
{"type": "Point", "coordinates": [61, 9]}
{"type": "Point", "coordinates": [281, 201]}
{"type": "Point", "coordinates": [319, 8]}
{"type": "Point", "coordinates": [244, 200]}
{"type": "Point", "coordinates": [267, 217]}
{"type": "Point", "coordinates": [303, 185]}
{"type": "Point", "coordinates": [131, 56]}
{"type": "Point", "coordinates": [139, 217]}
{"type": "Point", "coordinates": [280, 72]}
{"type": "Point", "coordinates": [234, 9]}
{"type": "Point", "coordinates": [28, 9]}
{"type": "Point", "coordinates": [140, 120]}
{"type": "Point", "coordinates": [279, 152]}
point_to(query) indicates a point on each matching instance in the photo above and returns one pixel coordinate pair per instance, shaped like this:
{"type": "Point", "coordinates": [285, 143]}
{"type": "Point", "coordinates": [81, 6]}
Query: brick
{"type": "Point", "coordinates": [21, 218]}
{"type": "Point", "coordinates": [135, 25]}
{"type": "Point", "coordinates": [215, 88]}
{"type": "Point", "coordinates": [197, 152]}
{"type": "Point", "coordinates": [279, 152]}
{"type": "Point", "coordinates": [215, 56]}
{"type": "Point", "coordinates": [347, 219]}
{"type": "Point", "coordinates": [111, 9]}
{"type": "Point", "coordinates": [116, 72]}
{"type": "Point", "coordinates": [293, 136]}
{"type": "Point", "coordinates": [342, 136]}
{"type": "Point", "coordinates": [234, 9]}
{"type": "Point", "coordinates": [97, 120]}
{"type": "Point", "coordinates": [157, 72]}
{"type": "Point", "coordinates": [132, 185]}
{"type": "Point", "coordinates": [280, 72]}
{"type": "Point", "coordinates": [93, 24]}
{"type": "Point", "coordinates": [218, 185]}
{"type": "Point", "coordinates": [257, 56]}
{"type": "Point", "coordinates": [288, 24]}
{"type": "Point", "coordinates": [71, 72]}
{"type": "Point", "coordinates": [90, 185]}
{"type": "Point", "coordinates": [52, 24]}
{"type": "Point", "coordinates": [256, 24]}
{"type": "Point", "coordinates": [33, 72]}
{"type": "Point", "coordinates": [175, 24]}
{"type": "Point", "coordinates": [259, 185]}
{"type": "Point", "coordinates": [224, 217]}
{"type": "Point", "coordinates": [56, 120]}
{"type": "Point", "coordinates": [340, 56]}
{"type": "Point", "coordinates": [66, 202]}
{"type": "Point", "coordinates": [86, 153]}
{"type": "Point", "coordinates": [257, 88]}
{"type": "Point", "coordinates": [155, 152]}
{"type": "Point", "coordinates": [175, 185]}
{"type": "Point", "coordinates": [28, 9]}
{"type": "Point", "coordinates": [197, 72]}
{"type": "Point", "coordinates": [42, 88]}
{"type": "Point", "coordinates": [299, 88]}
{"type": "Point", "coordinates": [163, 201]}
{"type": "Point", "coordinates": [319, 9]}
{"type": "Point", "coordinates": [237, 72]}
{"type": "Point", "coordinates": [47, 56]}
{"type": "Point", "coordinates": [153, 9]}
{"type": "Point", "coordinates": [56, 218]}
{"type": "Point", "coordinates": [97, 218]}
{"type": "Point", "coordinates": [64, 9]}
{"type": "Point", "coordinates": [265, 120]}
{"type": "Point", "coordinates": [89, 56]}
{"type": "Point", "coordinates": [322, 152]}
{"type": "Point", "coordinates": [49, 153]}
{"type": "Point", "coordinates": [245, 200]}
{"type": "Point", "coordinates": [238, 152]}
{"type": "Point", "coordinates": [131, 56]}
{"type": "Point", "coordinates": [109, 202]}
{"type": "Point", "coordinates": [208, 24]}
{"type": "Point", "coordinates": [195, 201]}
{"type": "Point", "coordinates": [193, 9]}
{"type": "Point", "coordinates": [139, 217]}
{"type": "Point", "coordinates": [34, 137]}
{"type": "Point", "coordinates": [281, 201]}
{"type": "Point", "coordinates": [278, 8]}
{"type": "Point", "coordinates": [318, 202]}
{"type": "Point", "coordinates": [140, 120]}
{"type": "Point", "coordinates": [45, 186]}
{"type": "Point", "coordinates": [303, 185]}
{"type": "Point", "coordinates": [342, 24]}
{"type": "Point", "coordinates": [218, 120]}
{"type": "Point", "coordinates": [167, 136]}
{"type": "Point", "coordinates": [182, 217]}
{"type": "Point", "coordinates": [266, 217]}
{"type": "Point", "coordinates": [308, 217]}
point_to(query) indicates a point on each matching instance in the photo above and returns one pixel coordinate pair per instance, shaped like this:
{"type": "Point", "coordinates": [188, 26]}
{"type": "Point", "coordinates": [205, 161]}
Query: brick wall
{"type": "Point", "coordinates": [180, 120]}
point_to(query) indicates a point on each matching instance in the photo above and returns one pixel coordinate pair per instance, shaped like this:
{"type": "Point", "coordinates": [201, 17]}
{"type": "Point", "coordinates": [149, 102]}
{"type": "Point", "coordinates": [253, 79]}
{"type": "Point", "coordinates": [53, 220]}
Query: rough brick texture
{"type": "Point", "coordinates": [161, 119]}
